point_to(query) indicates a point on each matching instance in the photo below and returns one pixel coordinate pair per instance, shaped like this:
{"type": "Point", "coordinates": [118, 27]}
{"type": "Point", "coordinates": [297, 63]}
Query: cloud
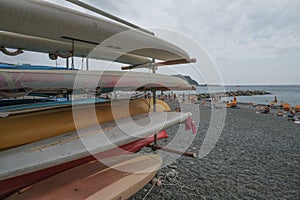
{"type": "Point", "coordinates": [230, 30]}
{"type": "Point", "coordinates": [226, 28]}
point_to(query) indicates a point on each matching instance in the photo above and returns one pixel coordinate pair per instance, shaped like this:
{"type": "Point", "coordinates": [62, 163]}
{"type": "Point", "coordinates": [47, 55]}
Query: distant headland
{"type": "Point", "coordinates": [188, 79]}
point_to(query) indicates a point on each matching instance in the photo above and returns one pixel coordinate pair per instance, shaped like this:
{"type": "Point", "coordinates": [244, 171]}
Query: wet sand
{"type": "Point", "coordinates": [256, 157]}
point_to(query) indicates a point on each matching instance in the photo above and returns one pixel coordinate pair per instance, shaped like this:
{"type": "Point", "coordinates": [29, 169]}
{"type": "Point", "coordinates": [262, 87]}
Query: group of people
{"type": "Point", "coordinates": [266, 109]}
{"type": "Point", "coordinates": [232, 104]}
{"type": "Point", "coordinates": [291, 115]}
{"type": "Point", "coordinates": [167, 97]}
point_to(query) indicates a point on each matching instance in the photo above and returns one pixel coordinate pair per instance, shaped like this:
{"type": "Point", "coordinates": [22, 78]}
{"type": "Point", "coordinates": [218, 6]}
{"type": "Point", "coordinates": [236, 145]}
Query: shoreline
{"type": "Point", "coordinates": [256, 157]}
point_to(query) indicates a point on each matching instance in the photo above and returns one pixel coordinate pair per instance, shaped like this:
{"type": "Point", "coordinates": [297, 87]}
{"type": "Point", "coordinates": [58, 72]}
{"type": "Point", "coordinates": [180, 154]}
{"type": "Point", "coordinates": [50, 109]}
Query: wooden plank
{"type": "Point", "coordinates": [95, 180]}
{"type": "Point", "coordinates": [159, 64]}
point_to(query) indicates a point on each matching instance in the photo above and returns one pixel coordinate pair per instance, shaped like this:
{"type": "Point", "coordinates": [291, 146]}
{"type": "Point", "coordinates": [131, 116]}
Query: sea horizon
{"type": "Point", "coordinates": [284, 93]}
{"type": "Point", "coordinates": [237, 85]}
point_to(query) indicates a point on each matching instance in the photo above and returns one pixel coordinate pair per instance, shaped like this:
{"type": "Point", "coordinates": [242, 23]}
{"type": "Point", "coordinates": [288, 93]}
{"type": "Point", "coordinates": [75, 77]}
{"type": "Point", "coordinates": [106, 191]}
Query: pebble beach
{"type": "Point", "coordinates": [257, 156]}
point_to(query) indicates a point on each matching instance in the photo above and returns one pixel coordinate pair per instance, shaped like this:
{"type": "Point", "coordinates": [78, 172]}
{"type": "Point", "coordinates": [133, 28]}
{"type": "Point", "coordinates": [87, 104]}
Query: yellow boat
{"type": "Point", "coordinates": [49, 121]}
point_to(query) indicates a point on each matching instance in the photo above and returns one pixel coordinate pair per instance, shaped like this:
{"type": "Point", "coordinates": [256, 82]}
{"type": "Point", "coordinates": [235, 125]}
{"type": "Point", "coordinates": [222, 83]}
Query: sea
{"type": "Point", "coordinates": [284, 93]}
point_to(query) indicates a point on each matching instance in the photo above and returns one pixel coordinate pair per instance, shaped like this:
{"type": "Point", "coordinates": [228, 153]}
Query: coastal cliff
{"type": "Point", "coordinates": [188, 79]}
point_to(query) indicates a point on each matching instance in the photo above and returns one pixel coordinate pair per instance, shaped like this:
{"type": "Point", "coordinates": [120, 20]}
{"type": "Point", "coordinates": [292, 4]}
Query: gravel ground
{"type": "Point", "coordinates": [256, 157]}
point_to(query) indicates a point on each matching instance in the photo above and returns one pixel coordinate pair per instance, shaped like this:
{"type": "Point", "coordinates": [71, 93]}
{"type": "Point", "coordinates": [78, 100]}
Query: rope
{"type": "Point", "coordinates": [170, 179]}
{"type": "Point", "coordinates": [149, 191]}
{"type": "Point", "coordinates": [67, 55]}
{"type": "Point", "coordinates": [82, 63]}
{"type": "Point", "coordinates": [173, 182]}
{"type": "Point", "coordinates": [10, 53]}
{"type": "Point", "coordinates": [72, 54]}
{"type": "Point", "coordinates": [53, 56]}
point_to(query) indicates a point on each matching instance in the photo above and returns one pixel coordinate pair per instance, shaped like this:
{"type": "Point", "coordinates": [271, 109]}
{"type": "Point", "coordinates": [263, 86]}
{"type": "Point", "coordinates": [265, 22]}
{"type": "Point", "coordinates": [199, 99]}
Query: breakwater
{"type": "Point", "coordinates": [233, 93]}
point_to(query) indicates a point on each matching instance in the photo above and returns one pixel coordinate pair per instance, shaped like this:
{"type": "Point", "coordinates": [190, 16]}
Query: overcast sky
{"type": "Point", "coordinates": [250, 41]}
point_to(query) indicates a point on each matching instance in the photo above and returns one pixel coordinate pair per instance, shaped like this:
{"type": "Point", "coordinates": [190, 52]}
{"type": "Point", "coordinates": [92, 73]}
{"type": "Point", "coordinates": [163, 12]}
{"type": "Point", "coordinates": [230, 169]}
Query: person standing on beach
{"type": "Point", "coordinates": [234, 102]}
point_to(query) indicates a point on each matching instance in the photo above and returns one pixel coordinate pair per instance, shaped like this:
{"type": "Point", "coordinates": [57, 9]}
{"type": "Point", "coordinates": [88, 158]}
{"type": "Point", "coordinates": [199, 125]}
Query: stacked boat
{"type": "Point", "coordinates": [51, 146]}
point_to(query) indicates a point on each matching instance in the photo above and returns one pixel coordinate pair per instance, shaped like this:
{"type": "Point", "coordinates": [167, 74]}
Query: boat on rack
{"type": "Point", "coordinates": [55, 24]}
{"type": "Point", "coordinates": [94, 180]}
{"type": "Point", "coordinates": [44, 158]}
{"type": "Point", "coordinates": [13, 82]}
{"type": "Point", "coordinates": [67, 118]}
{"type": "Point", "coordinates": [46, 142]}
